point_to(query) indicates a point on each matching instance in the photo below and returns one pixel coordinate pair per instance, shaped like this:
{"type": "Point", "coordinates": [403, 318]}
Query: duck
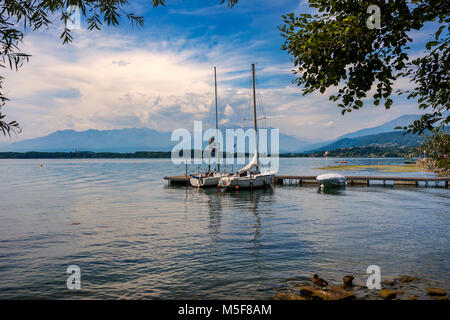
{"type": "Point", "coordinates": [319, 282]}
{"type": "Point", "coordinates": [348, 280]}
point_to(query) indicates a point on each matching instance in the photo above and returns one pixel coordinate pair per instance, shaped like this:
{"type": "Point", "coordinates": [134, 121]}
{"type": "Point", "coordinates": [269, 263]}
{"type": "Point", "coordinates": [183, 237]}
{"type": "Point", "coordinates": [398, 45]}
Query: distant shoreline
{"type": "Point", "coordinates": [85, 155]}
{"type": "Point", "coordinates": [379, 167]}
{"type": "Point", "coordinates": [358, 152]}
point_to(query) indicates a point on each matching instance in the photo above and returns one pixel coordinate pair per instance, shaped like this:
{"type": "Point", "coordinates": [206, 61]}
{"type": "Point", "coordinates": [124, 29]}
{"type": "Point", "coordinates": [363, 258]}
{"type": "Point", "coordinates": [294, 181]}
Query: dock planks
{"type": "Point", "coordinates": [351, 180]}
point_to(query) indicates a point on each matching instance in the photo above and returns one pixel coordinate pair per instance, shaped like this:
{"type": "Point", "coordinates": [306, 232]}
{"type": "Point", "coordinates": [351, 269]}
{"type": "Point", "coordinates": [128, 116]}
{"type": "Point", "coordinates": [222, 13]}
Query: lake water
{"type": "Point", "coordinates": [134, 237]}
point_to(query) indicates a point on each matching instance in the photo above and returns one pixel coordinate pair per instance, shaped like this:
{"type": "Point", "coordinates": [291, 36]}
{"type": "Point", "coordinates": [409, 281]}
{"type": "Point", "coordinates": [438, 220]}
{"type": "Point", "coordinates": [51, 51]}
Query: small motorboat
{"type": "Point", "coordinates": [331, 180]}
{"type": "Point", "coordinates": [409, 160]}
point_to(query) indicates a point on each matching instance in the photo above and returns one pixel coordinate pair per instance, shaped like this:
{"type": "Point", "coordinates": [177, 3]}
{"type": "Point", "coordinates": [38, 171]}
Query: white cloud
{"type": "Point", "coordinates": [229, 111]}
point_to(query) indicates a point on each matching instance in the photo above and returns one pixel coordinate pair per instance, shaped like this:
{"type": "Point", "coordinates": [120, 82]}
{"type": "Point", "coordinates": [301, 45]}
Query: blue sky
{"type": "Point", "coordinates": [161, 76]}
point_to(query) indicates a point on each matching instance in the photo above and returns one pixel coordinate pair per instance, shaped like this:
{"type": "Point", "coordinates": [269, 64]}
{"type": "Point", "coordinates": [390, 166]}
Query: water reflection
{"type": "Point", "coordinates": [254, 202]}
{"type": "Point", "coordinates": [214, 202]}
{"type": "Point", "coordinates": [338, 191]}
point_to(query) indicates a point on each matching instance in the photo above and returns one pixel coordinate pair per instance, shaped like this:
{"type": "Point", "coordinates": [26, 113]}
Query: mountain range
{"type": "Point", "coordinates": [146, 139]}
{"type": "Point", "coordinates": [386, 127]}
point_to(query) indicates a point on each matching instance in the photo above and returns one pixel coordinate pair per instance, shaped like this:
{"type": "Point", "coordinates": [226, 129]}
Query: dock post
{"type": "Point", "coordinates": [446, 184]}
{"type": "Point", "coordinates": [185, 176]}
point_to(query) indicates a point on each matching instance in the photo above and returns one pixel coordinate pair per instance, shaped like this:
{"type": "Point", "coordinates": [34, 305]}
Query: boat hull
{"type": "Point", "coordinates": [206, 180]}
{"type": "Point", "coordinates": [331, 181]}
{"type": "Point", "coordinates": [247, 182]}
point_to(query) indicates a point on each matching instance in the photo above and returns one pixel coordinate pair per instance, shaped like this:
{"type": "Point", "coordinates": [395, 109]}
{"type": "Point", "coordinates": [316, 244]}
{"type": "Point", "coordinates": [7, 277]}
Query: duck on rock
{"type": "Point", "coordinates": [319, 282]}
{"type": "Point", "coordinates": [348, 280]}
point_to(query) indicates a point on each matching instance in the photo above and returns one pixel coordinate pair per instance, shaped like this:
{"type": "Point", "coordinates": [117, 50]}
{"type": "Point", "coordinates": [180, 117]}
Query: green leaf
{"type": "Point", "coordinates": [431, 44]}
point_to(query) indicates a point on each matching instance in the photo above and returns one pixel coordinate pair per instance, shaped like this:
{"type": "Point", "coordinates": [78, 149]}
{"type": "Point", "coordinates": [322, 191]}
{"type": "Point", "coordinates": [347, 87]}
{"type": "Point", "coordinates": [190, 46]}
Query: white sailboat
{"type": "Point", "coordinates": [210, 178]}
{"type": "Point", "coordinates": [250, 176]}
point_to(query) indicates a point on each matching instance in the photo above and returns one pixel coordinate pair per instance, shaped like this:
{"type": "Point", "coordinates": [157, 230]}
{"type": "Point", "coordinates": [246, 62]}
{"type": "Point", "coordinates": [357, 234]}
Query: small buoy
{"type": "Point", "coordinates": [135, 163]}
{"type": "Point", "coordinates": [42, 165]}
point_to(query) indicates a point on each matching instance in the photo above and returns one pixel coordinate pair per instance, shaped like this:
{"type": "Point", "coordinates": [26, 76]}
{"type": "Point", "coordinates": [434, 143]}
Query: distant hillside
{"type": "Point", "coordinates": [386, 127]}
{"type": "Point", "coordinates": [387, 139]}
{"type": "Point", "coordinates": [144, 139]}
{"type": "Point", "coordinates": [118, 140]}
{"type": "Point", "coordinates": [367, 152]}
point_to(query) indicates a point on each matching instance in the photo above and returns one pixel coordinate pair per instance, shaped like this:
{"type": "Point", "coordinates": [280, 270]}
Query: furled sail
{"type": "Point", "coordinates": [252, 164]}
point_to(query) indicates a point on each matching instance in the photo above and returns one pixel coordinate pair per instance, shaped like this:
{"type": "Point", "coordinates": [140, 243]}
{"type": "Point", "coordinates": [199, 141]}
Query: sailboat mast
{"type": "Point", "coordinates": [254, 114]}
{"type": "Point", "coordinates": [215, 91]}
{"type": "Point", "coordinates": [217, 119]}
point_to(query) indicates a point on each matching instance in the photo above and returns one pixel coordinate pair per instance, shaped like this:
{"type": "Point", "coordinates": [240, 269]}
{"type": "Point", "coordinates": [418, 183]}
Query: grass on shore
{"type": "Point", "coordinates": [379, 167]}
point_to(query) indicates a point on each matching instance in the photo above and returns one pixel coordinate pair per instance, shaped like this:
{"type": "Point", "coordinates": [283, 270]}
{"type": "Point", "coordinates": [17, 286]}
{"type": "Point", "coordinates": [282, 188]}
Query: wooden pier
{"type": "Point", "coordinates": [351, 180]}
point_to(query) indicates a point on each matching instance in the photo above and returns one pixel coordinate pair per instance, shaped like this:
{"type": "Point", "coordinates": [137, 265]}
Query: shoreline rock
{"type": "Point", "coordinates": [387, 294]}
{"type": "Point", "coordinates": [436, 292]}
{"type": "Point", "coordinates": [406, 279]}
{"type": "Point", "coordinates": [400, 287]}
{"type": "Point", "coordinates": [330, 293]}
{"type": "Point", "coordinates": [288, 296]}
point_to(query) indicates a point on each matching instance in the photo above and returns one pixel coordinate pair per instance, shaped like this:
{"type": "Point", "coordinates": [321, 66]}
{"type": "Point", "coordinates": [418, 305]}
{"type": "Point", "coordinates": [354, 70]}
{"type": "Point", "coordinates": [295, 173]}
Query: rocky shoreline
{"type": "Point", "coordinates": [398, 288]}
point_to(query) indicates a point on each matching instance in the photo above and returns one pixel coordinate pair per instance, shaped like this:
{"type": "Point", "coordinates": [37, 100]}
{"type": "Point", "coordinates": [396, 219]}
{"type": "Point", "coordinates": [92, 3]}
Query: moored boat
{"type": "Point", "coordinates": [331, 180]}
{"type": "Point", "coordinates": [409, 160]}
{"type": "Point", "coordinates": [251, 181]}
{"type": "Point", "coordinates": [250, 176]}
{"type": "Point", "coordinates": [207, 179]}
{"type": "Point", "coordinates": [210, 178]}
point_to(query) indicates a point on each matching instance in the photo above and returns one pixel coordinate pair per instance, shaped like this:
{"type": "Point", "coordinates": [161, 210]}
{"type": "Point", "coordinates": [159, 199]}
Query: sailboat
{"type": "Point", "coordinates": [250, 176]}
{"type": "Point", "coordinates": [210, 178]}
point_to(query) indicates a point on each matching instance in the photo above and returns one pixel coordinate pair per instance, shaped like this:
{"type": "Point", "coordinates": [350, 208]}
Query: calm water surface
{"type": "Point", "coordinates": [135, 237]}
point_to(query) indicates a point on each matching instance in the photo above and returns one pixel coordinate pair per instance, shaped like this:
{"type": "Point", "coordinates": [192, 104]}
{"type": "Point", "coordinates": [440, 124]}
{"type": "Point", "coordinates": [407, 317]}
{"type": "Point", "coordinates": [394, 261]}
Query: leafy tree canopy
{"type": "Point", "coordinates": [335, 47]}
{"type": "Point", "coordinates": [437, 148]}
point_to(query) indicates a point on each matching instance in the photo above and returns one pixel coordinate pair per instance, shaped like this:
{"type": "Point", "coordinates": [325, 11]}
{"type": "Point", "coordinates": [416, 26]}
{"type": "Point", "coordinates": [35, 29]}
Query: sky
{"type": "Point", "coordinates": [160, 76]}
